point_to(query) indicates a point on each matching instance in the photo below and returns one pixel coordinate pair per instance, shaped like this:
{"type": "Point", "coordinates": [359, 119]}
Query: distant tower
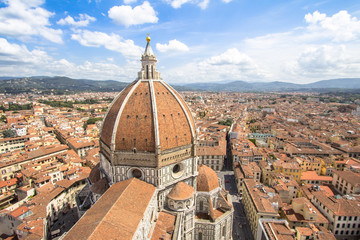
{"type": "Point", "coordinates": [149, 133]}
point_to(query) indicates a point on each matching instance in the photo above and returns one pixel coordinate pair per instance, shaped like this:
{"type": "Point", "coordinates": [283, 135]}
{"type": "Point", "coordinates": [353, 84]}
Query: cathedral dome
{"type": "Point", "coordinates": [148, 116]}
{"type": "Point", "coordinates": [207, 179]}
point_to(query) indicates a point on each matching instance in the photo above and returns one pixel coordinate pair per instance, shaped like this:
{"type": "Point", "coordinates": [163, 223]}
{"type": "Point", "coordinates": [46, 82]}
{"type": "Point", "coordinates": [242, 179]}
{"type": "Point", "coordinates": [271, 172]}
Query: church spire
{"type": "Point", "coordinates": [148, 50]}
{"type": "Point", "coordinates": [148, 62]}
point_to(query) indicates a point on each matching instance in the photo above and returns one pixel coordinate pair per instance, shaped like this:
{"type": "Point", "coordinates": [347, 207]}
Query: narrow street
{"type": "Point", "coordinates": [241, 228]}
{"type": "Point", "coordinates": [64, 223]}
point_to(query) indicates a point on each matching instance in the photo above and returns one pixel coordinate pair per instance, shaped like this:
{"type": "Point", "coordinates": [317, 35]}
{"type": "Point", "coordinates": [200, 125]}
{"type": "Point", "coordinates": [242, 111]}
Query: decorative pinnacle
{"type": "Point", "coordinates": [148, 38]}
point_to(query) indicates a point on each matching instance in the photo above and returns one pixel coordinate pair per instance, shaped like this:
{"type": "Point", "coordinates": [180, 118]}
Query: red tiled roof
{"type": "Point", "coordinates": [117, 214]}
{"type": "Point", "coordinates": [181, 191]}
{"type": "Point", "coordinates": [207, 179]}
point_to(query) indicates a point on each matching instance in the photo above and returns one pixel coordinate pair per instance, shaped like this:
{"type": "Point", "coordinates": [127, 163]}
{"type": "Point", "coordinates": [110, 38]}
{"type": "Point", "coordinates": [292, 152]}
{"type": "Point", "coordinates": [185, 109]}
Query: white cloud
{"type": "Point", "coordinates": [230, 57]}
{"type": "Point", "coordinates": [129, 1]}
{"type": "Point", "coordinates": [172, 46]}
{"type": "Point", "coordinates": [127, 16]}
{"type": "Point", "coordinates": [17, 60]}
{"type": "Point", "coordinates": [203, 4]}
{"type": "Point", "coordinates": [14, 54]}
{"type": "Point", "coordinates": [326, 47]}
{"type": "Point", "coordinates": [321, 61]}
{"type": "Point", "coordinates": [315, 17]}
{"type": "Point", "coordinates": [340, 27]}
{"type": "Point", "coordinates": [25, 18]}
{"type": "Point", "coordinates": [83, 20]}
{"type": "Point", "coordinates": [226, 1]}
{"type": "Point", "coordinates": [111, 41]}
{"type": "Point", "coordinates": [230, 65]}
{"type": "Point", "coordinates": [178, 3]}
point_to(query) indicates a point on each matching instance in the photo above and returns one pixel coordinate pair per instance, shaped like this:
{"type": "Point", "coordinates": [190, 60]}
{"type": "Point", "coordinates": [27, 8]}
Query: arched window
{"type": "Point", "coordinates": [201, 205]}
{"type": "Point", "coordinates": [147, 72]}
{"type": "Point", "coordinates": [200, 236]}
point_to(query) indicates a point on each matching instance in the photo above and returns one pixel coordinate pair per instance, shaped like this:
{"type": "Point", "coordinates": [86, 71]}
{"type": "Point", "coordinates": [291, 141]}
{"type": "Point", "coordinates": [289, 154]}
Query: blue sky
{"type": "Point", "coordinates": [296, 41]}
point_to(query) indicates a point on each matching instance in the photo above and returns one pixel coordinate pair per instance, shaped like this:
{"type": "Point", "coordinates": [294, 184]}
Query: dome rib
{"type": "Point", "coordinates": [154, 111]}
{"type": "Point", "coordinates": [186, 111]}
{"type": "Point", "coordinates": [110, 116]}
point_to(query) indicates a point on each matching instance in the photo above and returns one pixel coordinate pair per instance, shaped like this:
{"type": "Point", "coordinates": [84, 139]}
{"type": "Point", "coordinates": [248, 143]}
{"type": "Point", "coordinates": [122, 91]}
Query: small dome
{"type": "Point", "coordinates": [94, 175]}
{"type": "Point", "coordinates": [100, 186]}
{"type": "Point", "coordinates": [207, 179]}
{"type": "Point", "coordinates": [181, 191]}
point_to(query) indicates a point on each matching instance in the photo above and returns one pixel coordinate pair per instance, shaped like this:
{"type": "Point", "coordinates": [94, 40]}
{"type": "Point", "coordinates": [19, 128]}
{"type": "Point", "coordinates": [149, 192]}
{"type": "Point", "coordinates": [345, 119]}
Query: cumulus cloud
{"type": "Point", "coordinates": [326, 47]}
{"type": "Point", "coordinates": [14, 54]}
{"type": "Point", "coordinates": [25, 18]}
{"type": "Point", "coordinates": [127, 16]}
{"type": "Point", "coordinates": [340, 27]}
{"type": "Point", "coordinates": [230, 57]}
{"type": "Point", "coordinates": [83, 20]}
{"type": "Point", "coordinates": [172, 46]}
{"type": "Point", "coordinates": [321, 61]}
{"type": "Point", "coordinates": [111, 41]}
{"type": "Point", "coordinates": [18, 60]}
{"type": "Point", "coordinates": [230, 65]}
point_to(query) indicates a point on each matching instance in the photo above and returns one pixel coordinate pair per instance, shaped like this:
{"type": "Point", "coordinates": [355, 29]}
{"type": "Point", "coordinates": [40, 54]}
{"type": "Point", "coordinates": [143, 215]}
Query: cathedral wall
{"type": "Point", "coordinates": [150, 215]}
{"type": "Point", "coordinates": [176, 172]}
{"type": "Point", "coordinates": [189, 224]}
{"type": "Point", "coordinates": [220, 229]}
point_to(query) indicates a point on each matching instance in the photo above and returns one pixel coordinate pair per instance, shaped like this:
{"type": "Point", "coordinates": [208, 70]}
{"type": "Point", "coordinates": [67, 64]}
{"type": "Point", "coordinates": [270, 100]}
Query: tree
{"type": "Point", "coordinates": [228, 122]}
{"type": "Point", "coordinates": [3, 118]}
{"type": "Point", "coordinates": [93, 120]}
{"type": "Point", "coordinates": [9, 133]}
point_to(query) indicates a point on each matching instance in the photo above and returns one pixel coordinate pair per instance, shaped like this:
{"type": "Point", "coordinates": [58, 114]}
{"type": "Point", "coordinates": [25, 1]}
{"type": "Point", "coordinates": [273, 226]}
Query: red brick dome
{"type": "Point", "coordinates": [148, 115]}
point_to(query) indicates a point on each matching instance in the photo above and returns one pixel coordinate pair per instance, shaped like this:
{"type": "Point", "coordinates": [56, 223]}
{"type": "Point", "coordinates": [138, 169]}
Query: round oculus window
{"type": "Point", "coordinates": [177, 170]}
{"type": "Point", "coordinates": [136, 173]}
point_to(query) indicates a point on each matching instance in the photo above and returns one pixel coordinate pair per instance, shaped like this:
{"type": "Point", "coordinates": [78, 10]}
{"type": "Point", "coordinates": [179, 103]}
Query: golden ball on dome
{"type": "Point", "coordinates": [148, 38]}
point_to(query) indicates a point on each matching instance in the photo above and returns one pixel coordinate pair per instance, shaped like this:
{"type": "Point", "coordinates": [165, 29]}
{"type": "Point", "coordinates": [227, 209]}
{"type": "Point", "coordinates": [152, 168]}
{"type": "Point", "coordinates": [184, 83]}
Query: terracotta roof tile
{"type": "Point", "coordinates": [117, 214]}
{"type": "Point", "coordinates": [181, 191]}
{"type": "Point", "coordinates": [207, 179]}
